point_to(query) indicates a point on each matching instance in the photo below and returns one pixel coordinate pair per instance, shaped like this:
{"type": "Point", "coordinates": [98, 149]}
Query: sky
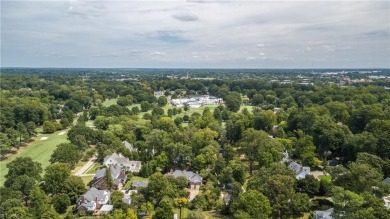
{"type": "Point", "coordinates": [195, 34]}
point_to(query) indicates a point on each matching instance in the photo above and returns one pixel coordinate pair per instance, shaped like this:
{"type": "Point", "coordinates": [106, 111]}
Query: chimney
{"type": "Point", "coordinates": [97, 203]}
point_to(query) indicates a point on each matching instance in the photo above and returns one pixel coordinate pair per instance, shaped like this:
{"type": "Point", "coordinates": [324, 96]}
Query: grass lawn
{"type": "Point", "coordinates": [86, 179]}
{"type": "Point", "coordinates": [89, 123]}
{"type": "Point", "coordinates": [204, 214]}
{"type": "Point", "coordinates": [250, 108]}
{"type": "Point", "coordinates": [134, 178]}
{"type": "Point", "coordinates": [326, 178]}
{"type": "Point", "coordinates": [94, 168]}
{"type": "Point", "coordinates": [38, 150]}
{"type": "Point", "coordinates": [109, 102]}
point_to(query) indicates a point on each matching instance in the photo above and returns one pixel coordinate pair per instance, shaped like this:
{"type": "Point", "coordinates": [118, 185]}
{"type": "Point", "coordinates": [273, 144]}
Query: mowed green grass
{"type": "Point", "coordinates": [38, 150]}
{"type": "Point", "coordinates": [109, 102]}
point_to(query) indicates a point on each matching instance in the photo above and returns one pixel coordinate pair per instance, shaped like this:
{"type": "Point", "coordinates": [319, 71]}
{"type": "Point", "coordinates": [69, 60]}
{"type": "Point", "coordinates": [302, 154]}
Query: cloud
{"type": "Point", "coordinates": [185, 16]}
{"type": "Point", "coordinates": [223, 33]}
{"type": "Point", "coordinates": [173, 37]}
{"type": "Point", "coordinates": [157, 53]}
{"type": "Point", "coordinates": [86, 10]}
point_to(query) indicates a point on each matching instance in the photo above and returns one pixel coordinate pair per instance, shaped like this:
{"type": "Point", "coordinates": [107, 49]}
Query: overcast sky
{"type": "Point", "coordinates": [195, 34]}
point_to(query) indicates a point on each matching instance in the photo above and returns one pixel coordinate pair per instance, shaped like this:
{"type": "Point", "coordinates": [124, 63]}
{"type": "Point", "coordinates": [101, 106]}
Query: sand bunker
{"type": "Point", "coordinates": [43, 138]}
{"type": "Point", "coordinates": [61, 133]}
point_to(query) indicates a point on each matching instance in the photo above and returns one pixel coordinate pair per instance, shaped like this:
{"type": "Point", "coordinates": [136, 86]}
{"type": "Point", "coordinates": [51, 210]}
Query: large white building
{"type": "Point", "coordinates": [197, 101]}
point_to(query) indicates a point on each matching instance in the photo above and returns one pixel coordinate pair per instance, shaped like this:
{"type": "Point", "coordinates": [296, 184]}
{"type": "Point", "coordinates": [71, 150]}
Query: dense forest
{"type": "Point", "coordinates": [242, 148]}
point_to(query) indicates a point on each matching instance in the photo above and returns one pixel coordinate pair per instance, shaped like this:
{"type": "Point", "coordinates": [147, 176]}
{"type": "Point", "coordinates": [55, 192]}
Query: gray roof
{"type": "Point", "coordinates": [386, 181]}
{"type": "Point", "coordinates": [107, 208]}
{"type": "Point", "coordinates": [327, 214]}
{"type": "Point", "coordinates": [227, 198]}
{"type": "Point", "coordinates": [136, 163]}
{"type": "Point", "coordinates": [300, 171]}
{"type": "Point", "coordinates": [92, 193]}
{"type": "Point", "coordinates": [115, 174]}
{"type": "Point", "coordinates": [333, 163]}
{"type": "Point", "coordinates": [88, 204]}
{"type": "Point", "coordinates": [120, 159]}
{"type": "Point", "coordinates": [191, 176]}
{"type": "Point", "coordinates": [129, 146]}
{"type": "Point", "coordinates": [295, 166]}
{"type": "Point", "coordinates": [140, 184]}
{"type": "Point", "coordinates": [127, 200]}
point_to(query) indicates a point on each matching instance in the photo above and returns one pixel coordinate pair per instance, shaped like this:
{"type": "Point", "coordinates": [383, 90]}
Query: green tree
{"type": "Point", "coordinates": [253, 203]}
{"type": "Point", "coordinates": [5, 145]}
{"type": "Point", "coordinates": [309, 185]}
{"type": "Point", "coordinates": [158, 187]}
{"type": "Point", "coordinates": [345, 202]}
{"type": "Point", "coordinates": [186, 106]}
{"type": "Point", "coordinates": [257, 146]}
{"type": "Point", "coordinates": [130, 214]}
{"type": "Point", "coordinates": [264, 120]}
{"type": "Point", "coordinates": [38, 202]}
{"type": "Point", "coordinates": [358, 178]}
{"type": "Point", "coordinates": [19, 212]}
{"type": "Point", "coordinates": [370, 159]}
{"type": "Point", "coordinates": [7, 204]}
{"type": "Point", "coordinates": [24, 184]}
{"type": "Point", "coordinates": [304, 148]}
{"type": "Point", "coordinates": [23, 133]}
{"type": "Point", "coordinates": [102, 122]}
{"type": "Point", "coordinates": [108, 180]}
{"type": "Point", "coordinates": [162, 101]}
{"type": "Point", "coordinates": [123, 101]}
{"type": "Point", "coordinates": [164, 209]}
{"type": "Point", "coordinates": [257, 99]}
{"type": "Point", "coordinates": [166, 124]}
{"type": "Point", "coordinates": [73, 187]}
{"type": "Point", "coordinates": [50, 127]}
{"type": "Point", "coordinates": [22, 166]}
{"type": "Point", "coordinates": [145, 106]}
{"type": "Point", "coordinates": [50, 214]}
{"type": "Point", "coordinates": [60, 202]}
{"type": "Point", "coordinates": [66, 153]}
{"type": "Point", "coordinates": [55, 176]}
{"type": "Point", "coordinates": [64, 123]}
{"type": "Point", "coordinates": [233, 101]}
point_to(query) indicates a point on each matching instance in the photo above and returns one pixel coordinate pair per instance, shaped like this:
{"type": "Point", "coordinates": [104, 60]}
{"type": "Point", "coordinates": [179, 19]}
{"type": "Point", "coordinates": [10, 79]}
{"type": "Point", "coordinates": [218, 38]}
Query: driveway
{"type": "Point", "coordinates": [317, 174]}
{"type": "Point", "coordinates": [86, 167]}
{"type": "Point", "coordinates": [193, 193]}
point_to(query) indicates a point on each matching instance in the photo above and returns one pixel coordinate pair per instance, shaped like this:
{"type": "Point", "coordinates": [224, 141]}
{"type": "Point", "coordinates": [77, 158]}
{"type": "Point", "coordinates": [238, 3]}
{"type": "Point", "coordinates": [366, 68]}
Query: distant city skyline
{"type": "Point", "coordinates": [195, 34]}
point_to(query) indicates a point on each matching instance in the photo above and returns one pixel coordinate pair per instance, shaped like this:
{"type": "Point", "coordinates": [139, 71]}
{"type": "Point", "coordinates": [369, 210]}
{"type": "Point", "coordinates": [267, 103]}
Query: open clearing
{"type": "Point", "coordinates": [39, 151]}
{"type": "Point", "coordinates": [61, 133]}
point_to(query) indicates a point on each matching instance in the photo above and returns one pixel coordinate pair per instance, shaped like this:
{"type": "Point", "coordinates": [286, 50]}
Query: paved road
{"type": "Point", "coordinates": [85, 167]}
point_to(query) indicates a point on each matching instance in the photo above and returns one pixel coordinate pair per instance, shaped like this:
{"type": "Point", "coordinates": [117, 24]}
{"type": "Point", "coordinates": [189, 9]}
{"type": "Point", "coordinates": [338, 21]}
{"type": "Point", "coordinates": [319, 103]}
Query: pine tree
{"type": "Point", "coordinates": [109, 182]}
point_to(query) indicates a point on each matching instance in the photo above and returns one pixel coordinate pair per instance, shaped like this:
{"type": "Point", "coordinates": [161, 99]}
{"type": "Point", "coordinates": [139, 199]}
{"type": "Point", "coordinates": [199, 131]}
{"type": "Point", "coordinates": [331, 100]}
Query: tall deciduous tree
{"type": "Point", "coordinates": [66, 153]}
{"type": "Point", "coordinates": [233, 101]}
{"type": "Point", "coordinates": [55, 176]}
{"type": "Point", "coordinates": [22, 166]}
{"type": "Point", "coordinates": [253, 203]}
{"type": "Point", "coordinates": [39, 202]}
{"type": "Point", "coordinates": [162, 101]}
{"type": "Point", "coordinates": [60, 202]}
{"type": "Point", "coordinates": [73, 187]}
{"type": "Point", "coordinates": [164, 209]}
{"type": "Point", "coordinates": [259, 147]}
